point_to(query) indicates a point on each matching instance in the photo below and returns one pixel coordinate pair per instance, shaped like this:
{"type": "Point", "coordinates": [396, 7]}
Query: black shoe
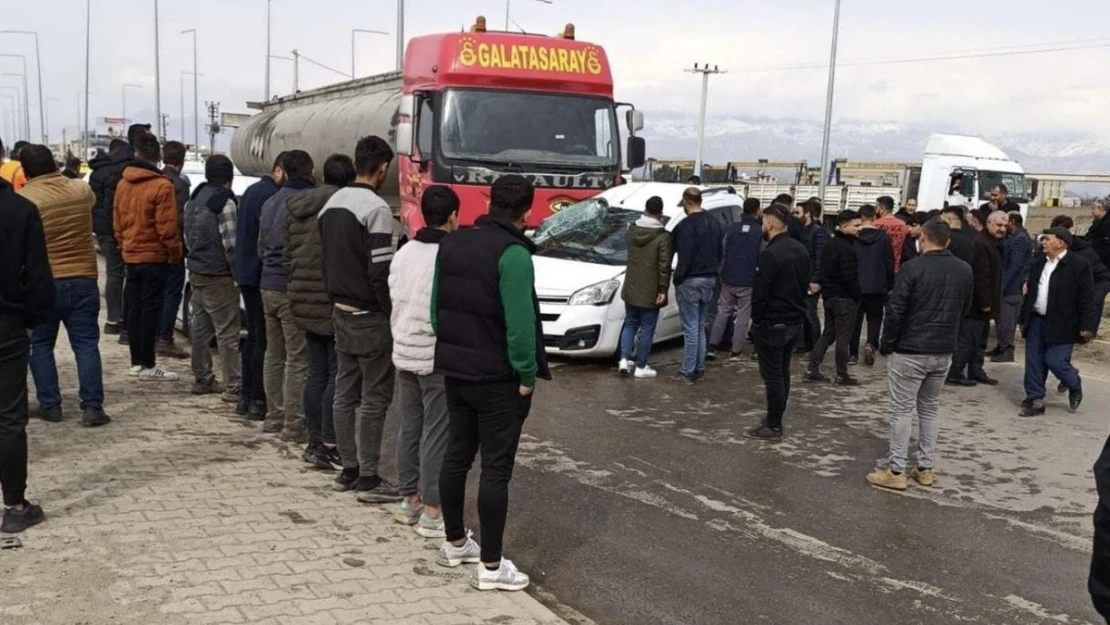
{"type": "Point", "coordinates": [123, 340]}
{"type": "Point", "coordinates": [711, 354]}
{"type": "Point", "coordinates": [845, 380]}
{"type": "Point", "coordinates": [243, 407]}
{"type": "Point", "coordinates": [257, 411]}
{"type": "Point", "coordinates": [853, 361]}
{"type": "Point", "coordinates": [1061, 388]}
{"type": "Point", "coordinates": [678, 378]}
{"type": "Point", "coordinates": [961, 381]}
{"type": "Point", "coordinates": [1004, 356]}
{"type": "Point", "coordinates": [1075, 397]}
{"type": "Point", "coordinates": [1032, 409]}
{"type": "Point", "coordinates": [95, 417]}
{"type": "Point", "coordinates": [764, 432]}
{"type": "Point", "coordinates": [735, 356]}
{"type": "Point", "coordinates": [50, 415]}
{"type": "Point", "coordinates": [814, 377]}
{"type": "Point", "coordinates": [346, 480]}
{"type": "Point", "coordinates": [983, 378]}
{"type": "Point", "coordinates": [15, 522]}
{"type": "Point", "coordinates": [315, 456]}
{"type": "Point", "coordinates": [332, 456]}
{"type": "Point", "coordinates": [112, 329]}
{"type": "Point", "coordinates": [377, 489]}
{"type": "Point", "coordinates": [994, 352]}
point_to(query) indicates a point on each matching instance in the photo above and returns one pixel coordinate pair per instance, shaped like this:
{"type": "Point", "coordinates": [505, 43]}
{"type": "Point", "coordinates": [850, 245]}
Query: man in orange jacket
{"type": "Point", "coordinates": [145, 225]}
{"type": "Point", "coordinates": [12, 170]}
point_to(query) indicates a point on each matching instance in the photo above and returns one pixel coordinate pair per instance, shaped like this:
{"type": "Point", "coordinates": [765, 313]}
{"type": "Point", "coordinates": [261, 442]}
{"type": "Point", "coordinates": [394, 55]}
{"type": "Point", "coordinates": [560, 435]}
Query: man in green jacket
{"type": "Point", "coordinates": [645, 286]}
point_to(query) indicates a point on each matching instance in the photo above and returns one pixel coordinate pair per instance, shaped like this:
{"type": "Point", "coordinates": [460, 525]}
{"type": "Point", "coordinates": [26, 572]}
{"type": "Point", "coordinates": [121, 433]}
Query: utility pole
{"type": "Point", "coordinates": [88, 35]}
{"type": "Point", "coordinates": [196, 96]}
{"type": "Point", "coordinates": [825, 169]}
{"type": "Point", "coordinates": [26, 100]}
{"type": "Point", "coordinates": [400, 34]}
{"type": "Point", "coordinates": [21, 130]}
{"type": "Point", "coordinates": [164, 125]}
{"type": "Point", "coordinates": [705, 71]}
{"type": "Point", "coordinates": [268, 6]}
{"type": "Point", "coordinates": [213, 125]}
{"type": "Point", "coordinates": [158, 77]}
{"type": "Point", "coordinates": [296, 71]}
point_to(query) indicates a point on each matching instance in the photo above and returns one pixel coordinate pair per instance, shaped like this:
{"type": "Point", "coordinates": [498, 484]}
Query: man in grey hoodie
{"type": "Point", "coordinates": [645, 286]}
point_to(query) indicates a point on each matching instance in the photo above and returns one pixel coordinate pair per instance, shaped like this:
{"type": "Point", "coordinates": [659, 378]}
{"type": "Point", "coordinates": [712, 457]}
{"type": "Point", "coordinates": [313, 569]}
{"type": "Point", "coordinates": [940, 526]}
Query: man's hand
{"type": "Point", "coordinates": [814, 288]}
{"type": "Point", "coordinates": [1086, 336]}
{"type": "Point", "coordinates": [526, 391]}
{"type": "Point", "coordinates": [1025, 288]}
{"type": "Point", "coordinates": [660, 299]}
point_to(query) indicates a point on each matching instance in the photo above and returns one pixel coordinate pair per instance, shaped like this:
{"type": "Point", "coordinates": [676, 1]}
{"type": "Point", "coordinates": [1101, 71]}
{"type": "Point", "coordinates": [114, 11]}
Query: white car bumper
{"type": "Point", "coordinates": [581, 331]}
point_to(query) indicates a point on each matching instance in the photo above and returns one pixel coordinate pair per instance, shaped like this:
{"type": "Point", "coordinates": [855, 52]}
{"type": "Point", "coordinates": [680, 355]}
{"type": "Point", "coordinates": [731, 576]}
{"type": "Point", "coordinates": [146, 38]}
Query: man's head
{"type": "Point", "coordinates": [297, 165]}
{"type": "Point", "coordinates": [339, 170]}
{"type": "Point", "coordinates": [1056, 240]}
{"type": "Point", "coordinates": [1017, 223]}
{"type": "Point", "coordinates": [276, 172]}
{"type": "Point", "coordinates": [775, 218]}
{"type": "Point", "coordinates": [372, 158]}
{"type": "Point", "coordinates": [935, 235]}
{"type": "Point", "coordinates": [134, 131]}
{"type": "Point", "coordinates": [911, 205]}
{"type": "Point", "coordinates": [654, 207]}
{"type": "Point", "coordinates": [17, 149]}
{"type": "Point", "coordinates": [884, 206]}
{"type": "Point", "coordinates": [751, 207]}
{"type": "Point", "coordinates": [115, 145]}
{"type": "Point", "coordinates": [695, 179]}
{"type": "Point", "coordinates": [785, 199]}
{"type": "Point", "coordinates": [954, 216]}
{"type": "Point", "coordinates": [1062, 221]}
{"type": "Point", "coordinates": [867, 214]}
{"type": "Point", "coordinates": [799, 213]}
{"type": "Point", "coordinates": [999, 195]}
{"type": "Point", "coordinates": [998, 224]}
{"type": "Point", "coordinates": [440, 207]}
{"type": "Point", "coordinates": [1098, 209]}
{"type": "Point", "coordinates": [975, 220]}
{"type": "Point", "coordinates": [173, 154]}
{"type": "Point", "coordinates": [147, 148]}
{"type": "Point", "coordinates": [219, 171]}
{"type": "Point", "coordinates": [848, 223]}
{"type": "Point", "coordinates": [37, 161]}
{"type": "Point", "coordinates": [511, 198]}
{"type": "Point", "coordinates": [691, 200]}
{"type": "Point", "coordinates": [73, 163]}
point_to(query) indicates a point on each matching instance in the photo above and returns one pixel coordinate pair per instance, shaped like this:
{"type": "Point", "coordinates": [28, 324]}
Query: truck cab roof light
{"type": "Point", "coordinates": [479, 25]}
{"type": "Point", "coordinates": [568, 32]}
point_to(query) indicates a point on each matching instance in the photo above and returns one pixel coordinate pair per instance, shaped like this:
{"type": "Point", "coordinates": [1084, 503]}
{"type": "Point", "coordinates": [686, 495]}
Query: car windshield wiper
{"type": "Point", "coordinates": [589, 252]}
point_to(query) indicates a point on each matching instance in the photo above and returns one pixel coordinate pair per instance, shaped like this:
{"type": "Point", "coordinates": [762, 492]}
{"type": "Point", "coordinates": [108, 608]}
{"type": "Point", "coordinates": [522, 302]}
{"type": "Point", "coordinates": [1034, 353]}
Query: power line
{"type": "Point", "coordinates": [330, 69]}
{"type": "Point", "coordinates": [988, 53]}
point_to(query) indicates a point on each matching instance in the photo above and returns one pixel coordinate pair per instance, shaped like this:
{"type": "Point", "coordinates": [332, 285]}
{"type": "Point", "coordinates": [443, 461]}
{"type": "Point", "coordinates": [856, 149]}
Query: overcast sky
{"type": "Point", "coordinates": [649, 43]}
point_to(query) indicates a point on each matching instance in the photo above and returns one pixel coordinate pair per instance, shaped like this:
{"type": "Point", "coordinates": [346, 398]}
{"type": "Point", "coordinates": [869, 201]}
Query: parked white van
{"type": "Point", "coordinates": [581, 258]}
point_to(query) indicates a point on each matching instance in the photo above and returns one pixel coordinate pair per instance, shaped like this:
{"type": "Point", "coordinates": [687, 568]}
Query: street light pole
{"type": "Point", "coordinates": [400, 35]}
{"type": "Point", "coordinates": [296, 71]}
{"type": "Point", "coordinates": [196, 101]}
{"type": "Point", "coordinates": [268, 6]}
{"type": "Point", "coordinates": [26, 100]}
{"type": "Point", "coordinates": [124, 90]}
{"type": "Point", "coordinates": [38, 67]}
{"type": "Point", "coordinates": [46, 119]}
{"type": "Point", "coordinates": [157, 75]}
{"type": "Point", "coordinates": [825, 170]}
{"type": "Point", "coordinates": [88, 40]}
{"type": "Point", "coordinates": [18, 95]}
{"type": "Point", "coordinates": [182, 92]}
{"type": "Point", "coordinates": [508, 8]}
{"type": "Point", "coordinates": [705, 71]}
{"type": "Point", "coordinates": [17, 131]}
{"type": "Point", "coordinates": [354, 31]}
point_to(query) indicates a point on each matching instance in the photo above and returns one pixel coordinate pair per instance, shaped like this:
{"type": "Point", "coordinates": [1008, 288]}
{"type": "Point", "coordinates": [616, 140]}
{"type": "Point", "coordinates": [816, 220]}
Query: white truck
{"type": "Point", "coordinates": [962, 170]}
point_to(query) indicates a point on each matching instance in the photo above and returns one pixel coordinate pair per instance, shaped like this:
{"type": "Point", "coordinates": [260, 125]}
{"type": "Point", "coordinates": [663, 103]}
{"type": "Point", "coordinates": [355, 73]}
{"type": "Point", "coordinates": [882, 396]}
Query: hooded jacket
{"type": "Point", "coordinates": [144, 218]}
{"type": "Point", "coordinates": [876, 261]}
{"type": "Point", "coordinates": [411, 276]}
{"type": "Point", "coordinates": [650, 249]}
{"type": "Point", "coordinates": [64, 206]}
{"type": "Point", "coordinates": [104, 179]}
{"type": "Point", "coordinates": [303, 258]}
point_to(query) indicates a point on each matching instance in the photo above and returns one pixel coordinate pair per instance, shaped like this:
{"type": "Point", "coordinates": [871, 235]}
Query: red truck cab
{"type": "Point", "coordinates": [479, 105]}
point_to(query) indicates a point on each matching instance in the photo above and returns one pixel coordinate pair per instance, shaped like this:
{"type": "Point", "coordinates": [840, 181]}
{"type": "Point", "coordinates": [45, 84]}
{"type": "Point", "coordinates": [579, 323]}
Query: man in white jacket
{"type": "Point", "coordinates": [422, 441]}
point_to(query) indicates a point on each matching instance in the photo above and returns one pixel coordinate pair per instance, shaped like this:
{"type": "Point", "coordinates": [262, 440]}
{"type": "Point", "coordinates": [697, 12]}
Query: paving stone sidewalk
{"type": "Point", "coordinates": [179, 512]}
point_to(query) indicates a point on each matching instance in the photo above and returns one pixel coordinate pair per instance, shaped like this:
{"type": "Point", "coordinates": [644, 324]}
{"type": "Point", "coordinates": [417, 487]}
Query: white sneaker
{"type": "Point", "coordinates": [506, 577]}
{"type": "Point", "coordinates": [158, 374]}
{"type": "Point", "coordinates": [429, 527]}
{"type": "Point", "coordinates": [452, 556]}
{"type": "Point", "coordinates": [624, 366]}
{"type": "Point", "coordinates": [134, 371]}
{"type": "Point", "coordinates": [645, 372]}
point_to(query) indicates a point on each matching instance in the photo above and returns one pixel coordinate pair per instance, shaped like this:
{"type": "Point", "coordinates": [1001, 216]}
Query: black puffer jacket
{"type": "Point", "coordinates": [104, 179]}
{"type": "Point", "coordinates": [931, 295]}
{"type": "Point", "coordinates": [303, 257]}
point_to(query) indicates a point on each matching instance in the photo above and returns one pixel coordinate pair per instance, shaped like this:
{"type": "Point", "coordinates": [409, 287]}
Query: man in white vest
{"type": "Point", "coordinates": [422, 440]}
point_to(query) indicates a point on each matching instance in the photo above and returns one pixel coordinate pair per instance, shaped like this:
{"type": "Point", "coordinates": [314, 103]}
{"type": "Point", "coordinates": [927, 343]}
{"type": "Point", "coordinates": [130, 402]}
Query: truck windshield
{"type": "Point", "coordinates": [524, 128]}
{"type": "Point", "coordinates": [590, 231]}
{"type": "Point", "coordinates": [1015, 185]}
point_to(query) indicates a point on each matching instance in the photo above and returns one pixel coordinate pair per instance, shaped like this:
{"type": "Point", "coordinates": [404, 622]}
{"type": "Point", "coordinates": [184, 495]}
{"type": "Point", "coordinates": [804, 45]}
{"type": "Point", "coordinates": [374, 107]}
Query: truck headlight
{"type": "Point", "coordinates": [599, 294]}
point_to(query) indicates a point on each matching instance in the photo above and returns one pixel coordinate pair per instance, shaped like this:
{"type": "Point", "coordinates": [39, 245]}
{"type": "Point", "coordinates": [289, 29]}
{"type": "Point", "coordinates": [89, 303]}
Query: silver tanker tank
{"type": "Point", "coordinates": [322, 122]}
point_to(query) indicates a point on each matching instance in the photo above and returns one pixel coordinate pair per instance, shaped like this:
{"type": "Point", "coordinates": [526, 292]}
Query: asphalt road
{"type": "Point", "coordinates": [639, 502]}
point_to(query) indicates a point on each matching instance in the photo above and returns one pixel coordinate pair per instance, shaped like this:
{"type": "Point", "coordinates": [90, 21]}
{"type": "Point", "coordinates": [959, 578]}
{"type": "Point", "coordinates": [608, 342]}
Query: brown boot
{"type": "Point", "coordinates": [169, 349]}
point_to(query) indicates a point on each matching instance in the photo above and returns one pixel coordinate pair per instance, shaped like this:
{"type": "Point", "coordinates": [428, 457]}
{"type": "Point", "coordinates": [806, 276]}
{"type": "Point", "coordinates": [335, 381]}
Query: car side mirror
{"type": "Point", "coordinates": [636, 154]}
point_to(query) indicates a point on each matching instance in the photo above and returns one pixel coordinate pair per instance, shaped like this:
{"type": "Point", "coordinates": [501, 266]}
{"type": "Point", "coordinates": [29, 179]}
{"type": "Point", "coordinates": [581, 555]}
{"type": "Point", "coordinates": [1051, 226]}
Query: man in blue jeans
{"type": "Point", "coordinates": [173, 159]}
{"type": "Point", "coordinates": [64, 205]}
{"type": "Point", "coordinates": [645, 286]}
{"type": "Point", "coordinates": [697, 241]}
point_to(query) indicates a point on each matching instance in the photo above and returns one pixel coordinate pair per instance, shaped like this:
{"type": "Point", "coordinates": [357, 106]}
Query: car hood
{"type": "Point", "coordinates": [559, 277]}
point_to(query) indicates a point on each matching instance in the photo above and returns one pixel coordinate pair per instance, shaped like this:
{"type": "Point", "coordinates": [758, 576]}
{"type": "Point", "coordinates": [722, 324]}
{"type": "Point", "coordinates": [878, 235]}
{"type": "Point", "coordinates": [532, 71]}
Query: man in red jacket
{"type": "Point", "coordinates": [895, 228]}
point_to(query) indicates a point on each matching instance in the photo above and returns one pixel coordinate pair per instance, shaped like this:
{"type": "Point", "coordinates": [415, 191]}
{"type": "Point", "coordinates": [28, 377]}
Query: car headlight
{"type": "Point", "coordinates": [599, 294]}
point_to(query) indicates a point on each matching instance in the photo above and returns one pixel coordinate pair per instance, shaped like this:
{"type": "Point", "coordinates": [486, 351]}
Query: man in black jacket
{"type": "Point", "coordinates": [173, 159]}
{"type": "Point", "coordinates": [107, 171]}
{"type": "Point", "coordinates": [778, 314]}
{"type": "Point", "coordinates": [931, 295]}
{"type": "Point", "coordinates": [697, 244]}
{"type": "Point", "coordinates": [815, 237]}
{"type": "Point", "coordinates": [975, 330]}
{"type": "Point", "coordinates": [876, 279]}
{"type": "Point", "coordinates": [961, 241]}
{"type": "Point", "coordinates": [1058, 312]}
{"type": "Point", "coordinates": [1099, 233]}
{"type": "Point", "coordinates": [26, 294]}
{"type": "Point", "coordinates": [841, 292]}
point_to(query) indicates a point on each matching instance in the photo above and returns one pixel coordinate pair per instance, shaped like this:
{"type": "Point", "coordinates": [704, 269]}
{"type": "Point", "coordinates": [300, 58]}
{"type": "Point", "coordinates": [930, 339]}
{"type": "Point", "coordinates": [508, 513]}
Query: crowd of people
{"type": "Point", "coordinates": [334, 317]}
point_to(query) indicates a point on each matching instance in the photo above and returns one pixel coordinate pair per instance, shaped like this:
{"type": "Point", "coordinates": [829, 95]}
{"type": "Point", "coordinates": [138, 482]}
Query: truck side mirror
{"type": "Point", "coordinates": [634, 120]}
{"type": "Point", "coordinates": [636, 154]}
{"type": "Point", "coordinates": [407, 107]}
{"type": "Point", "coordinates": [405, 138]}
